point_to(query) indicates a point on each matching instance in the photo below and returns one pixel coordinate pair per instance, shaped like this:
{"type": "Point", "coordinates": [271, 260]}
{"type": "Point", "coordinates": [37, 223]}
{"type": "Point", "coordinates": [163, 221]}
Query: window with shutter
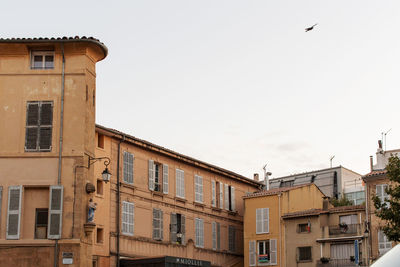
{"type": "Point", "coordinates": [214, 235]}
{"type": "Point", "coordinates": [384, 244]}
{"type": "Point", "coordinates": [266, 253]}
{"type": "Point", "coordinates": [157, 224]}
{"type": "Point", "coordinates": [199, 231]}
{"type": "Point", "coordinates": [252, 253]}
{"type": "Point", "coordinates": [151, 175]}
{"type": "Point", "coordinates": [273, 252]}
{"type": "Point", "coordinates": [127, 218]}
{"type": "Point", "coordinates": [226, 196]}
{"type": "Point", "coordinates": [1, 198]}
{"type": "Point", "coordinates": [232, 198]}
{"type": "Point", "coordinates": [221, 195]}
{"type": "Point", "coordinates": [262, 220]}
{"type": "Point", "coordinates": [180, 183]}
{"type": "Point", "coordinates": [198, 188]}
{"type": "Point", "coordinates": [218, 236]}
{"type": "Point", "coordinates": [165, 178]}
{"type": "Point", "coordinates": [182, 229]}
{"type": "Point", "coordinates": [55, 212]}
{"type": "Point", "coordinates": [213, 194]}
{"type": "Point", "coordinates": [128, 167]}
{"type": "Point", "coordinates": [39, 126]}
{"type": "Point", "coordinates": [14, 212]}
{"type": "Point", "coordinates": [173, 228]}
{"type": "Point", "coordinates": [232, 238]}
{"type": "Point", "coordinates": [381, 193]}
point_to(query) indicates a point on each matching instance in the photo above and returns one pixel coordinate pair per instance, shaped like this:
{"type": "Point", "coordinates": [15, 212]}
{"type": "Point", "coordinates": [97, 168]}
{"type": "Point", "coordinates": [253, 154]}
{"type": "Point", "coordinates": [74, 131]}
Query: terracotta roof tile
{"type": "Point", "coordinates": [375, 173]}
{"type": "Point", "coordinates": [274, 191]}
{"type": "Point", "coordinates": [316, 212]}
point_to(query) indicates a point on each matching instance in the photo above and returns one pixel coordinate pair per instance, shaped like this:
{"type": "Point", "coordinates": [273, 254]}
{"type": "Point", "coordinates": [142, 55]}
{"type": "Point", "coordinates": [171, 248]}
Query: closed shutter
{"type": "Point", "coordinates": [14, 211]}
{"type": "Point", "coordinates": [262, 220]}
{"type": "Point", "coordinates": [32, 122]}
{"type": "Point", "coordinates": [173, 228]}
{"type": "Point", "coordinates": [213, 194]}
{"type": "Point", "coordinates": [128, 167]}
{"type": "Point", "coordinates": [201, 189]}
{"type": "Point", "coordinates": [165, 178]}
{"type": "Point", "coordinates": [252, 253]}
{"type": "Point", "coordinates": [233, 198]}
{"type": "Point", "coordinates": [226, 196]}
{"type": "Point", "coordinates": [46, 120]}
{"type": "Point", "coordinates": [1, 198]}
{"type": "Point", "coordinates": [214, 235]}
{"type": "Point", "coordinates": [221, 196]}
{"type": "Point", "coordinates": [259, 224]}
{"type": "Point", "coordinates": [272, 247]}
{"type": "Point", "coordinates": [128, 217]}
{"type": "Point", "coordinates": [55, 212]}
{"type": "Point", "coordinates": [151, 175]}
{"type": "Point", "coordinates": [180, 183]}
{"type": "Point", "coordinates": [218, 236]}
{"type": "Point", "coordinates": [232, 238]}
{"type": "Point", "coordinates": [157, 224]}
{"type": "Point", "coordinates": [198, 188]}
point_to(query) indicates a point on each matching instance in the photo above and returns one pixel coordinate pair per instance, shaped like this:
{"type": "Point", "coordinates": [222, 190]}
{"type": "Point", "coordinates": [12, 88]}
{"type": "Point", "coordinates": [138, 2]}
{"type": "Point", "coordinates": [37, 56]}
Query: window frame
{"type": "Point", "coordinates": [126, 213]}
{"type": "Point", "coordinates": [38, 126]}
{"type": "Point", "coordinates": [41, 225]}
{"type": "Point", "coordinates": [299, 254]}
{"type": "Point", "coordinates": [385, 243]}
{"type": "Point", "coordinates": [180, 183]}
{"type": "Point", "coordinates": [198, 189]}
{"type": "Point", "coordinates": [43, 54]}
{"type": "Point", "coordinates": [199, 232]}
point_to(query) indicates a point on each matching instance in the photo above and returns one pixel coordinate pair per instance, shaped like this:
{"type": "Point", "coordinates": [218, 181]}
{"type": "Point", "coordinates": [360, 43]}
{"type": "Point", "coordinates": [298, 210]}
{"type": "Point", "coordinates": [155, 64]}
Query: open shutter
{"type": "Point", "coordinates": [266, 220]}
{"type": "Point", "coordinates": [151, 175]}
{"type": "Point", "coordinates": [259, 213]}
{"type": "Point", "coordinates": [233, 198]}
{"type": "Point", "coordinates": [1, 198]}
{"type": "Point", "coordinates": [46, 121]}
{"type": "Point", "coordinates": [55, 212]}
{"type": "Point", "coordinates": [252, 253]}
{"type": "Point", "coordinates": [213, 196]}
{"type": "Point", "coordinates": [214, 235]}
{"type": "Point", "coordinates": [226, 196]}
{"type": "Point", "coordinates": [165, 178]}
{"type": "Point", "coordinates": [14, 211]}
{"type": "Point", "coordinates": [272, 247]}
{"type": "Point", "coordinates": [161, 225]}
{"type": "Point", "coordinates": [221, 196]}
{"type": "Point", "coordinates": [183, 229]}
{"type": "Point", "coordinates": [173, 228]}
{"type": "Point", "coordinates": [218, 236]}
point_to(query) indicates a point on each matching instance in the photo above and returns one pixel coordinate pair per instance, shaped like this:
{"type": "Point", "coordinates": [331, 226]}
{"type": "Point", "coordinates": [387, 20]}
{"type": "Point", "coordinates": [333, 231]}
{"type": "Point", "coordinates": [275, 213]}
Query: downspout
{"type": "Point", "coordinates": [280, 233]}
{"type": "Point", "coordinates": [61, 140]}
{"type": "Point", "coordinates": [118, 197]}
{"type": "Point", "coordinates": [367, 243]}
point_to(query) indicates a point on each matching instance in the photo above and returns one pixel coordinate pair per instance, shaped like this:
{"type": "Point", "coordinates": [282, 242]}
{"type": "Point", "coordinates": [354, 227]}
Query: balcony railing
{"type": "Point", "coordinates": [339, 263]}
{"type": "Point", "coordinates": [345, 229]}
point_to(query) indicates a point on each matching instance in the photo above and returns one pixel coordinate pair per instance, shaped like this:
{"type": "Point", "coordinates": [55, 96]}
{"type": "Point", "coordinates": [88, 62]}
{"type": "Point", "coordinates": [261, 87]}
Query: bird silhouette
{"type": "Point", "coordinates": [312, 27]}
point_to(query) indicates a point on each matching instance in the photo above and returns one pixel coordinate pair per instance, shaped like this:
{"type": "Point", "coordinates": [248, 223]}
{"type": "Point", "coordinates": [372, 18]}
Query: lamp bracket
{"type": "Point", "coordinates": [92, 160]}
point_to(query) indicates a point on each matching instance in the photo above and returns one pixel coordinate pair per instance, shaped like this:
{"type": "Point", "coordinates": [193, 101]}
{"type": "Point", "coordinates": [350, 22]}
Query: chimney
{"type": "Point", "coordinates": [266, 180]}
{"type": "Point", "coordinates": [380, 144]}
{"type": "Point", "coordinates": [256, 177]}
{"type": "Point", "coordinates": [371, 162]}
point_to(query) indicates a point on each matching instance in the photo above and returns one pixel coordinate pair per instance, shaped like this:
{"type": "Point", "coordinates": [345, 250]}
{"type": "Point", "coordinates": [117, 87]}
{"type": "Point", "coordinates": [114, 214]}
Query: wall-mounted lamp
{"type": "Point", "coordinates": [106, 175]}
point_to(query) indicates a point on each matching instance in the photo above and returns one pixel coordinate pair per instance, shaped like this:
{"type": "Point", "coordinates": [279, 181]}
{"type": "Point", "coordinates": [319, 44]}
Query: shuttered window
{"type": "Point", "coordinates": [157, 224]}
{"type": "Point", "coordinates": [199, 231]}
{"type": "Point", "coordinates": [165, 179]}
{"type": "Point", "coordinates": [198, 188]}
{"type": "Point", "coordinates": [151, 175]}
{"type": "Point", "coordinates": [180, 183]}
{"type": "Point", "coordinates": [55, 212]}
{"type": "Point", "coordinates": [384, 244]}
{"type": "Point", "coordinates": [127, 218]}
{"type": "Point", "coordinates": [262, 220]}
{"type": "Point", "coordinates": [128, 167]}
{"type": "Point", "coordinates": [229, 198]}
{"type": "Point", "coordinates": [213, 194]}
{"type": "Point", "coordinates": [14, 212]}
{"type": "Point", "coordinates": [177, 228]}
{"type": "Point", "coordinates": [226, 196]}
{"type": "Point", "coordinates": [39, 126]}
{"type": "Point", "coordinates": [267, 252]}
{"type": "Point", "coordinates": [252, 253]}
{"type": "Point", "coordinates": [273, 252]}
{"type": "Point", "coordinates": [232, 238]}
{"type": "Point", "coordinates": [221, 195]}
{"type": "Point", "coordinates": [216, 236]}
{"type": "Point", "coordinates": [1, 198]}
{"type": "Point", "coordinates": [381, 193]}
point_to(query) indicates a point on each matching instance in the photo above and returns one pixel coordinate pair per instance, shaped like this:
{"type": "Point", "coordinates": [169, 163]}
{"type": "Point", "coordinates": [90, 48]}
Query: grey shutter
{"type": "Point", "coordinates": [1, 198]}
{"type": "Point", "coordinates": [221, 195]}
{"type": "Point", "coordinates": [46, 114]}
{"type": "Point", "coordinates": [233, 198]}
{"type": "Point", "coordinates": [151, 175]}
{"type": "Point", "coordinates": [128, 167]}
{"type": "Point", "coordinates": [213, 194]}
{"type": "Point", "coordinates": [157, 224]}
{"type": "Point", "coordinates": [161, 225]}
{"type": "Point", "coordinates": [31, 137]}
{"type": "Point", "coordinates": [45, 138]}
{"type": "Point", "coordinates": [173, 228]}
{"type": "Point", "coordinates": [131, 158]}
{"type": "Point", "coordinates": [218, 236]}
{"type": "Point", "coordinates": [183, 229]}
{"type": "Point", "coordinates": [266, 220]}
{"type": "Point", "coordinates": [46, 121]}
{"type": "Point", "coordinates": [165, 178]}
{"type": "Point", "coordinates": [14, 212]}
{"type": "Point", "coordinates": [259, 224]}
{"type": "Point", "coordinates": [32, 114]}
{"type": "Point", "coordinates": [272, 248]}
{"type": "Point", "coordinates": [232, 238]}
{"type": "Point", "coordinates": [226, 196]}
{"type": "Point", "coordinates": [252, 253]}
{"type": "Point", "coordinates": [214, 235]}
{"type": "Point", "coordinates": [55, 212]}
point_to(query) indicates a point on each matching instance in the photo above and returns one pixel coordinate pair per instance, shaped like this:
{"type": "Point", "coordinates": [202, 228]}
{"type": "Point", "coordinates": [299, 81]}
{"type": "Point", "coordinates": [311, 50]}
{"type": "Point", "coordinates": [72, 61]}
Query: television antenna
{"type": "Point", "coordinates": [331, 160]}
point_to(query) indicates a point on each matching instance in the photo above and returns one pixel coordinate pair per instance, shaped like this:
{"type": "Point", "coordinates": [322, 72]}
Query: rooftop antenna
{"type": "Point", "coordinates": [331, 160]}
{"type": "Point", "coordinates": [385, 136]}
{"type": "Point", "coordinates": [266, 177]}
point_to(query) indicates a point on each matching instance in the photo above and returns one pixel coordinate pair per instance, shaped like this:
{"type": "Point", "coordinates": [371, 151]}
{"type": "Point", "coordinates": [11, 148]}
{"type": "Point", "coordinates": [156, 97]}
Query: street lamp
{"type": "Point", "coordinates": [106, 175]}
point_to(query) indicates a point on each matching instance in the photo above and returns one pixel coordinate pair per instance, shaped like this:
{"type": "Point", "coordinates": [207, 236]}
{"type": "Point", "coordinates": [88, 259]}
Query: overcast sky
{"type": "Point", "coordinates": [239, 83]}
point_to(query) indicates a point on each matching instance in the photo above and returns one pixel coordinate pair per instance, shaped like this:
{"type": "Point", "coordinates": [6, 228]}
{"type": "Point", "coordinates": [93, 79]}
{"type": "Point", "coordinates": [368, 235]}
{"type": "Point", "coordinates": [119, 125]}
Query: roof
{"type": "Point", "coordinates": [168, 152]}
{"type": "Point", "coordinates": [58, 40]}
{"type": "Point", "coordinates": [276, 191]}
{"type": "Point", "coordinates": [375, 173]}
{"type": "Point", "coordinates": [316, 212]}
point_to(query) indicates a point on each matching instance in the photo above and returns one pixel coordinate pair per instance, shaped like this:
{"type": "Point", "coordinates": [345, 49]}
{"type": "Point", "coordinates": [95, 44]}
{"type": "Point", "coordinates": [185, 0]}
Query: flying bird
{"type": "Point", "coordinates": [312, 27]}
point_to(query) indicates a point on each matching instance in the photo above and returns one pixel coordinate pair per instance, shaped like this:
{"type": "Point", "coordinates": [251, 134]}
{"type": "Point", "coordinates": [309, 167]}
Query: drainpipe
{"type": "Point", "coordinates": [61, 140]}
{"type": "Point", "coordinates": [280, 233]}
{"type": "Point", "coordinates": [118, 197]}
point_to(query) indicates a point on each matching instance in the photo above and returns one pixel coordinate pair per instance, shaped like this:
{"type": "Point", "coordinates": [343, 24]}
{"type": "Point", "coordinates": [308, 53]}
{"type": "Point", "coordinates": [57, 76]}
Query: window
{"type": "Point", "coordinates": [381, 193]}
{"type": "Point", "coordinates": [304, 254]}
{"type": "Point", "coordinates": [220, 199]}
{"type": "Point", "coordinates": [304, 228]}
{"type": "Point", "coordinates": [198, 188]}
{"type": "Point", "coordinates": [229, 198]}
{"type": "Point", "coordinates": [199, 231]}
{"type": "Point", "coordinates": [286, 183]}
{"type": "Point", "coordinates": [252, 253]}
{"type": "Point", "coordinates": [99, 187]}
{"type": "Point", "coordinates": [127, 217]}
{"type": "Point", "coordinates": [100, 140]}
{"type": "Point", "coordinates": [157, 224]}
{"type": "Point", "coordinates": [1, 198]}
{"type": "Point", "coordinates": [14, 212]}
{"type": "Point", "coordinates": [99, 235]}
{"type": "Point", "coordinates": [41, 219]}
{"type": "Point", "coordinates": [39, 124]}
{"type": "Point", "coordinates": [357, 198]}
{"type": "Point", "coordinates": [266, 252]}
{"type": "Point", "coordinates": [55, 212]}
{"type": "Point", "coordinates": [213, 194]}
{"type": "Point", "coordinates": [128, 167]}
{"type": "Point", "coordinates": [180, 183]}
{"type": "Point", "coordinates": [232, 238]}
{"type": "Point", "coordinates": [158, 177]}
{"type": "Point", "coordinates": [383, 242]}
{"type": "Point", "coordinates": [42, 60]}
{"type": "Point", "coordinates": [216, 194]}
{"type": "Point", "coordinates": [216, 235]}
{"type": "Point", "coordinates": [262, 220]}
{"type": "Point", "coordinates": [348, 219]}
{"type": "Point", "coordinates": [177, 228]}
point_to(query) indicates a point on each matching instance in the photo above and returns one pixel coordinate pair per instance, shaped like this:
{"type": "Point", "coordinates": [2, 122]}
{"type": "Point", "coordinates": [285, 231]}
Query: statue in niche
{"type": "Point", "coordinates": [91, 208]}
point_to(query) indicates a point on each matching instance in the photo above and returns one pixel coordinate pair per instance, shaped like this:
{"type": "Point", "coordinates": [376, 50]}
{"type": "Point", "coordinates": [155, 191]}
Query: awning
{"type": "Point", "coordinates": [164, 261]}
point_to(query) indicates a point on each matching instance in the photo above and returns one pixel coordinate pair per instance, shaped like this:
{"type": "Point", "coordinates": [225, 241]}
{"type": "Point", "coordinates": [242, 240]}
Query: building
{"type": "Point", "coordinates": [264, 229]}
{"type": "Point", "coordinates": [325, 237]}
{"type": "Point", "coordinates": [47, 99]}
{"type": "Point", "coordinates": [376, 182]}
{"type": "Point", "coordinates": [162, 203]}
{"type": "Point", "coordinates": [333, 182]}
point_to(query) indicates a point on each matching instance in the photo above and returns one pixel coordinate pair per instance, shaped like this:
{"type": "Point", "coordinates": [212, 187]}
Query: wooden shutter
{"type": "Point", "coordinates": [165, 178]}
{"type": "Point", "coordinates": [221, 196]}
{"type": "Point", "coordinates": [183, 229]}
{"type": "Point", "coordinates": [214, 235]}
{"type": "Point", "coordinates": [213, 194]}
{"type": "Point", "coordinates": [202, 233]}
{"type": "Point", "coordinates": [128, 213]}
{"type": "Point", "coordinates": [128, 167]}
{"type": "Point", "coordinates": [173, 228]}
{"type": "Point", "coordinates": [252, 253]}
{"type": "Point", "coordinates": [1, 198]}
{"type": "Point", "coordinates": [259, 214]}
{"type": "Point", "coordinates": [226, 196]}
{"type": "Point", "coordinates": [157, 224]}
{"type": "Point", "coordinates": [55, 212]}
{"type": "Point", "coordinates": [14, 211]}
{"type": "Point", "coordinates": [199, 232]}
{"type": "Point", "coordinates": [272, 248]}
{"type": "Point", "coordinates": [218, 236]}
{"type": "Point", "coordinates": [46, 121]}
{"type": "Point", "coordinates": [233, 198]}
{"type": "Point", "coordinates": [232, 238]}
{"type": "Point", "coordinates": [180, 183]}
{"type": "Point", "coordinates": [151, 175]}
{"type": "Point", "coordinates": [161, 225]}
{"type": "Point", "coordinates": [266, 220]}
{"type": "Point", "coordinates": [32, 122]}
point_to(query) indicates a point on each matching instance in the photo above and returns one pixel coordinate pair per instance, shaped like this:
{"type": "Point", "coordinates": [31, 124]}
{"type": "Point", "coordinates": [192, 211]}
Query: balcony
{"type": "Point", "coordinates": [345, 229]}
{"type": "Point", "coordinates": [339, 263]}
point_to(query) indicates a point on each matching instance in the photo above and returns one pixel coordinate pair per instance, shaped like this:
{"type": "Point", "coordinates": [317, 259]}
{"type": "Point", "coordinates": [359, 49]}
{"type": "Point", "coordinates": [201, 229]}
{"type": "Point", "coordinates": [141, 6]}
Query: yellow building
{"type": "Point", "coordinates": [264, 230]}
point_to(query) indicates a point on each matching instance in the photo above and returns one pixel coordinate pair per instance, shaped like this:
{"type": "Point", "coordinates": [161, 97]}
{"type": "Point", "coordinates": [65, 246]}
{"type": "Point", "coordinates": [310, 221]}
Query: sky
{"type": "Point", "coordinates": [239, 84]}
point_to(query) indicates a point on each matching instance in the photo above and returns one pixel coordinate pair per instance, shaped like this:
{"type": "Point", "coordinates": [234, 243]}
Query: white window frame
{"type": "Point", "coordinates": [382, 195]}
{"type": "Point", "coordinates": [198, 188]}
{"type": "Point", "coordinates": [262, 220]}
{"type": "Point", "coordinates": [180, 183]}
{"type": "Point", "coordinates": [272, 243]}
{"type": "Point", "coordinates": [129, 218]}
{"type": "Point", "coordinates": [128, 167]}
{"type": "Point", "coordinates": [199, 232]}
{"type": "Point", "coordinates": [43, 54]}
{"type": "Point", "coordinates": [384, 244]}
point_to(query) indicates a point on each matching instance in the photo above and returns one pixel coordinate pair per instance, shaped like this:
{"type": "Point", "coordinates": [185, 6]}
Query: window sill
{"type": "Point", "coordinates": [198, 204]}
{"type": "Point", "coordinates": [157, 193]}
{"type": "Point", "coordinates": [180, 199]}
{"type": "Point", "coordinates": [131, 186]}
{"type": "Point", "coordinates": [216, 209]}
{"type": "Point", "coordinates": [232, 212]}
{"type": "Point", "coordinates": [301, 261]}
